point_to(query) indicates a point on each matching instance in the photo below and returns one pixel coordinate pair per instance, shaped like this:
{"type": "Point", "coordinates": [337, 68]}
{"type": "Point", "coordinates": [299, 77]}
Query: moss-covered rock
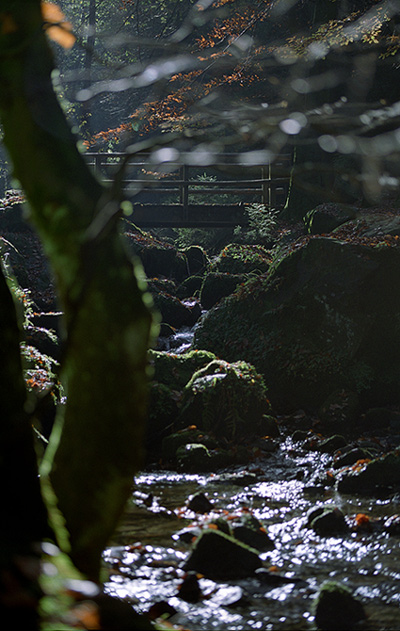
{"type": "Point", "coordinates": [324, 319]}
{"type": "Point", "coordinates": [218, 285]}
{"type": "Point", "coordinates": [371, 225]}
{"type": "Point", "coordinates": [367, 475]}
{"type": "Point", "coordinates": [193, 457]}
{"type": "Point", "coordinates": [351, 456]}
{"type": "Point", "coordinates": [187, 436]}
{"type": "Point", "coordinates": [240, 258]}
{"type": "Point", "coordinates": [172, 310]}
{"type": "Point", "coordinates": [176, 370]}
{"type": "Point", "coordinates": [189, 287]}
{"type": "Point", "coordinates": [326, 217]}
{"type": "Point", "coordinates": [222, 557]}
{"type": "Point", "coordinates": [197, 259]}
{"type": "Point", "coordinates": [227, 399]}
{"type": "Point", "coordinates": [332, 444]}
{"type": "Point", "coordinates": [336, 609]}
{"type": "Point", "coordinates": [158, 257]}
{"type": "Point", "coordinates": [169, 375]}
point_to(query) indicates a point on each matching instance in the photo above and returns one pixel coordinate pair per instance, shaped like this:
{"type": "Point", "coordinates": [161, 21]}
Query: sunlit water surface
{"type": "Point", "coordinates": [146, 561]}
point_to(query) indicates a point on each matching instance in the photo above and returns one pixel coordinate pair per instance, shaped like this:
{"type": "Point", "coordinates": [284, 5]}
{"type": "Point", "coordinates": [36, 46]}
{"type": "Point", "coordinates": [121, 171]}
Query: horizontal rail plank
{"type": "Point", "coordinates": [177, 216]}
{"type": "Point", "coordinates": [267, 183]}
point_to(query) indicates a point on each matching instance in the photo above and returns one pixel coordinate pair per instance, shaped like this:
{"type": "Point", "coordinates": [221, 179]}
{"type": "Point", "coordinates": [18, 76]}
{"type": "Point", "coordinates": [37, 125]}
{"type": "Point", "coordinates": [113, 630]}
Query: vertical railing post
{"type": "Point", "coordinates": [181, 185]}
{"type": "Point", "coordinates": [266, 185]}
{"type": "Point", "coordinates": [97, 165]}
{"type": "Point", "coordinates": [185, 190]}
{"type": "Point", "coordinates": [272, 190]}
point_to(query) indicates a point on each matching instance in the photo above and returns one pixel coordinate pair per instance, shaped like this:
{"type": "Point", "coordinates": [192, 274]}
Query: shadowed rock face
{"type": "Point", "coordinates": [325, 319]}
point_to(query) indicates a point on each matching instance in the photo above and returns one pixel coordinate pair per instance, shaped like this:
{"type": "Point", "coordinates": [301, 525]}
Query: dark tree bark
{"type": "Point", "coordinates": [96, 448]}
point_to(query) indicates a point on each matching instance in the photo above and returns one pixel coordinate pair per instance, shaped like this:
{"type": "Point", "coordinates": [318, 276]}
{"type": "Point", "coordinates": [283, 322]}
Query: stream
{"type": "Point", "coordinates": [146, 556]}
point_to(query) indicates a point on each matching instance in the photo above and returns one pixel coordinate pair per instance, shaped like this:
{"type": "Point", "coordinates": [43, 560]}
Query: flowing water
{"type": "Point", "coordinates": [145, 562]}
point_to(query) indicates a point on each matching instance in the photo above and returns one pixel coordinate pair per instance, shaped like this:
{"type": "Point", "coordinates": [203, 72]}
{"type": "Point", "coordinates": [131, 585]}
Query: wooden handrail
{"type": "Point", "coordinates": [173, 177]}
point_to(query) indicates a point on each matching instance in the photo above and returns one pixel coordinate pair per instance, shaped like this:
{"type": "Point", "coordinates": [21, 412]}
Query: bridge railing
{"type": "Point", "coordinates": [226, 181]}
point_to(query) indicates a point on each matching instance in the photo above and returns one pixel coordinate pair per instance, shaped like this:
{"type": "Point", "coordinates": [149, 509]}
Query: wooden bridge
{"type": "Point", "coordinates": [189, 191]}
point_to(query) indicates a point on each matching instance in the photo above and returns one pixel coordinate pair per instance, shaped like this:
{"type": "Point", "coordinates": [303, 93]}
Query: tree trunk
{"type": "Point", "coordinates": [96, 448]}
{"type": "Point", "coordinates": [23, 521]}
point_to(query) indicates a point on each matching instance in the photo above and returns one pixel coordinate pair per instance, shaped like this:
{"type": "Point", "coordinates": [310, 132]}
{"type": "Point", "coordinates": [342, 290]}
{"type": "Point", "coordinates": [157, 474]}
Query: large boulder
{"type": "Point", "coordinates": [325, 319]}
{"type": "Point", "coordinates": [195, 389]}
{"type": "Point", "coordinates": [169, 375]}
{"type": "Point", "coordinates": [218, 285]}
{"type": "Point", "coordinates": [158, 256]}
{"type": "Point", "coordinates": [229, 400]}
{"type": "Point", "coordinates": [174, 370]}
{"type": "Point", "coordinates": [231, 268]}
{"type": "Point", "coordinates": [173, 311]}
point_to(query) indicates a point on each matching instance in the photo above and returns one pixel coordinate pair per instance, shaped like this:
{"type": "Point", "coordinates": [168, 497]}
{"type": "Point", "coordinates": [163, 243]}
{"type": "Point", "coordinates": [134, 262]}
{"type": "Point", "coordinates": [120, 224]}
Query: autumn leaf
{"type": "Point", "coordinates": [361, 519]}
{"type": "Point", "coordinates": [58, 29]}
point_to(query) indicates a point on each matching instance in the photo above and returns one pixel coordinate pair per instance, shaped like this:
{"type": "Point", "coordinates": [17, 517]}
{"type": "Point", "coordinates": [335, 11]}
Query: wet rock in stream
{"type": "Point", "coordinates": [351, 456]}
{"type": "Point", "coordinates": [327, 521]}
{"type": "Point", "coordinates": [332, 444]}
{"type": "Point", "coordinates": [250, 531]}
{"type": "Point", "coordinates": [193, 457]}
{"type": "Point", "coordinates": [336, 609]}
{"type": "Point", "coordinates": [199, 503]}
{"type": "Point", "coordinates": [190, 590]}
{"type": "Point", "coordinates": [220, 557]}
{"type": "Point", "coordinates": [382, 473]}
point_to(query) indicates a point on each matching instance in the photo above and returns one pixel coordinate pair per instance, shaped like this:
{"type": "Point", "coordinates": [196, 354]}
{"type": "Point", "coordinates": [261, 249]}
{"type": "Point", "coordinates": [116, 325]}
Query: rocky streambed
{"type": "Point", "coordinates": [308, 324]}
{"type": "Point", "coordinates": [301, 529]}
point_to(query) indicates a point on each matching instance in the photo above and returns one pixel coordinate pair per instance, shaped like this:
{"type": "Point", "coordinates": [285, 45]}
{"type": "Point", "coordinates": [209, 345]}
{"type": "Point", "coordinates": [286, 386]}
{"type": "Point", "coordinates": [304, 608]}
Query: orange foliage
{"type": "Point", "coordinates": [216, 45]}
{"type": "Point", "coordinates": [360, 463]}
{"type": "Point", "coordinates": [189, 87]}
{"type": "Point", "coordinates": [57, 28]}
{"type": "Point", "coordinates": [361, 519]}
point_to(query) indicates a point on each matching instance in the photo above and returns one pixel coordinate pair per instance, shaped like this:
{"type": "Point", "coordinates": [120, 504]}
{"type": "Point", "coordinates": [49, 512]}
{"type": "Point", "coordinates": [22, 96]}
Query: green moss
{"type": "Point", "coordinates": [187, 436]}
{"type": "Point", "coordinates": [238, 258]}
{"type": "Point", "coordinates": [227, 399]}
{"type": "Point", "coordinates": [323, 319]}
{"type": "Point", "coordinates": [176, 370]}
